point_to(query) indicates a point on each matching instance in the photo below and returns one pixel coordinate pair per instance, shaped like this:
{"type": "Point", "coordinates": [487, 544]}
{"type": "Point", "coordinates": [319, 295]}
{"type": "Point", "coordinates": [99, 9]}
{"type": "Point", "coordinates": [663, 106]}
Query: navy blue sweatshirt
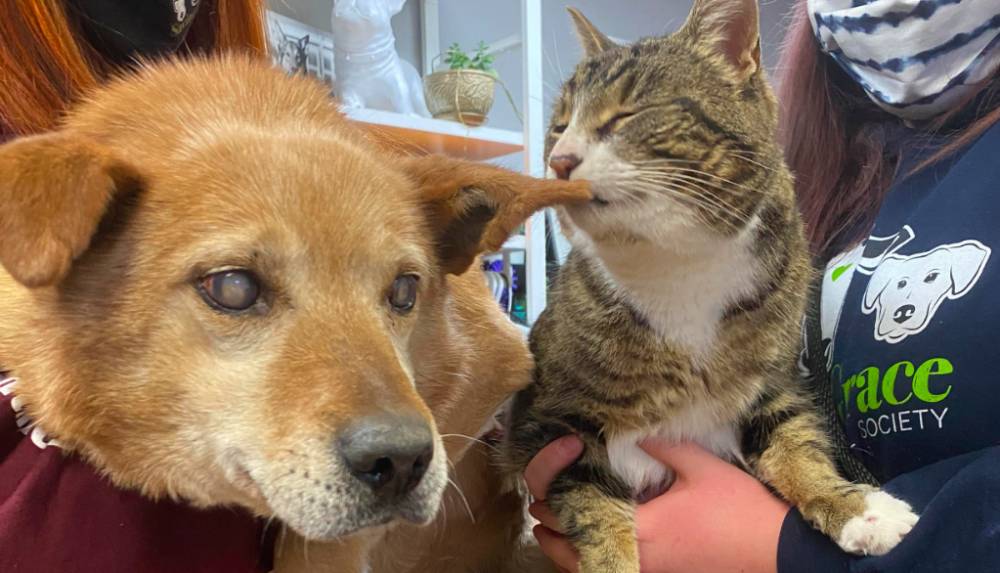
{"type": "Point", "coordinates": [910, 320]}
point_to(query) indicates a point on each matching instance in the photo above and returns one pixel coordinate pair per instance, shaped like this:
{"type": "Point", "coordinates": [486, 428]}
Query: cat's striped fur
{"type": "Point", "coordinates": [677, 313]}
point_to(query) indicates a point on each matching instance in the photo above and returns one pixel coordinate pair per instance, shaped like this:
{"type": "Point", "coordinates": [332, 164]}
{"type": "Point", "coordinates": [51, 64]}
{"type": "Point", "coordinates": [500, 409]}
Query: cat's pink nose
{"type": "Point", "coordinates": [563, 165]}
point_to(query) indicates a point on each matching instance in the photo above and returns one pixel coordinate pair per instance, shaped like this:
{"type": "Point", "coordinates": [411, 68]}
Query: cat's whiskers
{"type": "Point", "coordinates": [700, 184]}
{"type": "Point", "coordinates": [658, 190]}
{"type": "Point", "coordinates": [701, 202]}
{"type": "Point", "coordinates": [623, 188]}
{"type": "Point", "coordinates": [746, 156]}
{"type": "Point", "coordinates": [686, 184]}
{"type": "Point", "coordinates": [742, 155]}
{"type": "Point", "coordinates": [671, 160]}
{"type": "Point", "coordinates": [714, 176]}
{"type": "Point", "coordinates": [658, 182]}
{"type": "Point", "coordinates": [699, 172]}
{"type": "Point", "coordinates": [696, 180]}
{"type": "Point", "coordinates": [691, 197]}
{"type": "Point", "coordinates": [700, 209]}
{"type": "Point", "coordinates": [689, 181]}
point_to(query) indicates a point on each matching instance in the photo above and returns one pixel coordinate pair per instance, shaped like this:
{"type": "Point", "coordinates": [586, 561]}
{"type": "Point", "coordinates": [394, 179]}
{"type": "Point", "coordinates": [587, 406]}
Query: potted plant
{"type": "Point", "coordinates": [464, 92]}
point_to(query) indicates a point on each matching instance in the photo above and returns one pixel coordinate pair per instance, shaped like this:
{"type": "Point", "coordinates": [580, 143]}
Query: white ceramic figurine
{"type": "Point", "coordinates": [370, 73]}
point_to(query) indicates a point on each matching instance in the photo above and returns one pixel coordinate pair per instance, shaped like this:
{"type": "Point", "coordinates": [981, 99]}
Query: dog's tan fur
{"type": "Point", "coordinates": [108, 225]}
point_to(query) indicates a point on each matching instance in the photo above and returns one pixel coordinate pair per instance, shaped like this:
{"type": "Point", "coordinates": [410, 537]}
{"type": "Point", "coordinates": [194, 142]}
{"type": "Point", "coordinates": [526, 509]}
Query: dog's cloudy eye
{"type": "Point", "coordinates": [931, 277]}
{"type": "Point", "coordinates": [232, 290]}
{"type": "Point", "coordinates": [403, 293]}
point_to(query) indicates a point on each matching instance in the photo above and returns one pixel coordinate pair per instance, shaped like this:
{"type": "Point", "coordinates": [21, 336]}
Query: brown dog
{"type": "Point", "coordinates": [218, 290]}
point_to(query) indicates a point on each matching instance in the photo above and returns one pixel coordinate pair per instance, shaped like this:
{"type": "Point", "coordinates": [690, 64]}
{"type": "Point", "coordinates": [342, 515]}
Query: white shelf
{"type": "Point", "coordinates": [515, 243]}
{"type": "Point", "coordinates": [427, 135]}
{"type": "Point", "coordinates": [480, 143]}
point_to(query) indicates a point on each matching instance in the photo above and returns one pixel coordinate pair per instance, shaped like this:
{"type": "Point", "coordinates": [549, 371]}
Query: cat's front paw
{"type": "Point", "coordinates": [884, 523]}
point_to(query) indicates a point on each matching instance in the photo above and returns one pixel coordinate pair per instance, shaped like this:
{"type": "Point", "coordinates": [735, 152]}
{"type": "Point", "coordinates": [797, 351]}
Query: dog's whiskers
{"type": "Point", "coordinates": [452, 483]}
{"type": "Point", "coordinates": [471, 439]}
{"type": "Point", "coordinates": [305, 550]}
{"type": "Point", "coordinates": [465, 501]}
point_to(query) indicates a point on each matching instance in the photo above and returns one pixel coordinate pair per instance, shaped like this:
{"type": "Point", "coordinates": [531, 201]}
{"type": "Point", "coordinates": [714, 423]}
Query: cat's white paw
{"type": "Point", "coordinates": [881, 527]}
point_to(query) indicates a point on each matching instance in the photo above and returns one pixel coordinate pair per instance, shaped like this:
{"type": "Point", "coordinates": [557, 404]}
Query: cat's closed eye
{"type": "Point", "coordinates": [609, 126]}
{"type": "Point", "coordinates": [559, 128]}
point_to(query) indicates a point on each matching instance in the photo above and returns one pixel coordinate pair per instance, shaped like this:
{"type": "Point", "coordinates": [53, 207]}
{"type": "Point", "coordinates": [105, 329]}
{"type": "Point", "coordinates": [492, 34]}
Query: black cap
{"type": "Point", "coordinates": [125, 29]}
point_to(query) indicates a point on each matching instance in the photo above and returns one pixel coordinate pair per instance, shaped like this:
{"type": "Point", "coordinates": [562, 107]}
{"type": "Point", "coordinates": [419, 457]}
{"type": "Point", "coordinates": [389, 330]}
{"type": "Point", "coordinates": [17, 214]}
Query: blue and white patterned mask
{"type": "Point", "coordinates": [914, 58]}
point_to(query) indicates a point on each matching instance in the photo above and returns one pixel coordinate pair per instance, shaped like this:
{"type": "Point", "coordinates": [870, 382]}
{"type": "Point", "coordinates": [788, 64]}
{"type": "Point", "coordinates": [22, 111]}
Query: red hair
{"type": "Point", "coordinates": [835, 140]}
{"type": "Point", "coordinates": [45, 65]}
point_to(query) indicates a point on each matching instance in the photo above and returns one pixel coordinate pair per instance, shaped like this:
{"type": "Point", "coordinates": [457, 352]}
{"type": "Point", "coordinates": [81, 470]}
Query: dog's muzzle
{"type": "Point", "coordinates": [389, 454]}
{"type": "Point", "coordinates": [381, 468]}
{"type": "Point", "coordinates": [904, 313]}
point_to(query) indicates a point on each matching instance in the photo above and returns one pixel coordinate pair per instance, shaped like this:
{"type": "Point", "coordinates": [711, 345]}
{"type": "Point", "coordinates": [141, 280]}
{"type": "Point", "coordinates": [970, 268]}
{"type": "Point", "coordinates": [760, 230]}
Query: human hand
{"type": "Point", "coordinates": [714, 517]}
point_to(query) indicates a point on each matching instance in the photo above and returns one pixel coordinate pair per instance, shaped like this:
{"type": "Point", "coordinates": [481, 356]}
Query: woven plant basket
{"type": "Point", "coordinates": [465, 96]}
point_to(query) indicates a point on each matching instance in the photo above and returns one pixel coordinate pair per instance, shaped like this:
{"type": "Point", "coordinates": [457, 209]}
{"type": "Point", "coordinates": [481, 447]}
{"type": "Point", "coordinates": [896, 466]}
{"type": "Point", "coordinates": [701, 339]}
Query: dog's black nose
{"type": "Point", "coordinates": [904, 313]}
{"type": "Point", "coordinates": [389, 453]}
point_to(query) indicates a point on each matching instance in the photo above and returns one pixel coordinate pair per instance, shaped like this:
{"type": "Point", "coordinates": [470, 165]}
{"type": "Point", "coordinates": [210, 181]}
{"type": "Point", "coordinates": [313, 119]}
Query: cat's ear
{"type": "Point", "coordinates": [732, 28]}
{"type": "Point", "coordinates": [472, 208]}
{"type": "Point", "coordinates": [593, 41]}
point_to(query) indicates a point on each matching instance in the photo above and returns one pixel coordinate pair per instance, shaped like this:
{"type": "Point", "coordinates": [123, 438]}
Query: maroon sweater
{"type": "Point", "coordinates": [58, 514]}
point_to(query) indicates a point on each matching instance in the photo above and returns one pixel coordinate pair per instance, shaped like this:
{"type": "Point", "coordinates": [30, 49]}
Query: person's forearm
{"type": "Point", "coordinates": [803, 549]}
{"type": "Point", "coordinates": [959, 527]}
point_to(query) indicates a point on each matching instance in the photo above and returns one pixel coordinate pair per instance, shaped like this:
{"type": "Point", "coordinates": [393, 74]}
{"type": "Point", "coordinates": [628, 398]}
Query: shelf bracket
{"type": "Point", "coordinates": [534, 145]}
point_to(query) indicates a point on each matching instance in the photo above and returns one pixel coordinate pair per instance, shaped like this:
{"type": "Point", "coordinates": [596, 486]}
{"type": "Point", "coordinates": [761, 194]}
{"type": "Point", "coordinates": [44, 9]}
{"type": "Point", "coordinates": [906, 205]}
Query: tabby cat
{"type": "Point", "coordinates": [677, 312]}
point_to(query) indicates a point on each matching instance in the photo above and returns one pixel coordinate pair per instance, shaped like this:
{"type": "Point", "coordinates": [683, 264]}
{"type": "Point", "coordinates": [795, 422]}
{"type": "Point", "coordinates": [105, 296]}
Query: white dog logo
{"type": "Point", "coordinates": [180, 10]}
{"type": "Point", "coordinates": [906, 290]}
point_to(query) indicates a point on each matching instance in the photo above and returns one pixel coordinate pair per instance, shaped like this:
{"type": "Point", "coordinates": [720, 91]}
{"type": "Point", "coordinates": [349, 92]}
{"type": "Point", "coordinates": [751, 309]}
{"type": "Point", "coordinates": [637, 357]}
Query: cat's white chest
{"type": "Point", "coordinates": [683, 297]}
{"type": "Point", "coordinates": [642, 473]}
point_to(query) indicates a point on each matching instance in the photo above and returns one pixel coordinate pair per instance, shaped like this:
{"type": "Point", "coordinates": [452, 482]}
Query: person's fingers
{"type": "Point", "coordinates": [544, 515]}
{"type": "Point", "coordinates": [551, 460]}
{"type": "Point", "coordinates": [557, 548]}
{"type": "Point", "coordinates": [687, 459]}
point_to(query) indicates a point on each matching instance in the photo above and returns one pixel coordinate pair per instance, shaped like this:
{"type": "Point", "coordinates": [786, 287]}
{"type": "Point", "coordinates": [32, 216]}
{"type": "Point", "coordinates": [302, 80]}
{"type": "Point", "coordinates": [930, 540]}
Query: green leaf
{"type": "Point", "coordinates": [837, 272]}
{"type": "Point", "coordinates": [481, 60]}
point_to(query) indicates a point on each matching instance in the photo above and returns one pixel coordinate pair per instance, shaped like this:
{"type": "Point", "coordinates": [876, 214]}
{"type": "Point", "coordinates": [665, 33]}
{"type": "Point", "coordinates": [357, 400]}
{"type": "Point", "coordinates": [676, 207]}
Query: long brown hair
{"type": "Point", "coordinates": [45, 64]}
{"type": "Point", "coordinates": [835, 140]}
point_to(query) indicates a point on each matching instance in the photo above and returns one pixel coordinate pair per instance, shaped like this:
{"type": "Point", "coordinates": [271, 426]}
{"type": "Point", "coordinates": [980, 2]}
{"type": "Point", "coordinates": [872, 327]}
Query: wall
{"type": "Point", "coordinates": [469, 21]}
{"type": "Point", "coordinates": [316, 13]}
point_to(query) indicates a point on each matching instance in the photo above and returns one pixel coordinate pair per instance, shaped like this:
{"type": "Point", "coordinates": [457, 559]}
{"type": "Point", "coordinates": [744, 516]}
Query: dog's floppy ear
{"type": "Point", "coordinates": [472, 207]}
{"type": "Point", "coordinates": [880, 279]}
{"type": "Point", "coordinates": [54, 189]}
{"type": "Point", "coordinates": [967, 262]}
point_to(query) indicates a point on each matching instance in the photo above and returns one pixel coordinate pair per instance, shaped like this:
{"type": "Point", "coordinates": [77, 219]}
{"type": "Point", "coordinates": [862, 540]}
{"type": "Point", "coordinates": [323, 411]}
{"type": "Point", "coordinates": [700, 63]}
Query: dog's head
{"type": "Point", "coordinates": [905, 292]}
{"type": "Point", "coordinates": [214, 286]}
